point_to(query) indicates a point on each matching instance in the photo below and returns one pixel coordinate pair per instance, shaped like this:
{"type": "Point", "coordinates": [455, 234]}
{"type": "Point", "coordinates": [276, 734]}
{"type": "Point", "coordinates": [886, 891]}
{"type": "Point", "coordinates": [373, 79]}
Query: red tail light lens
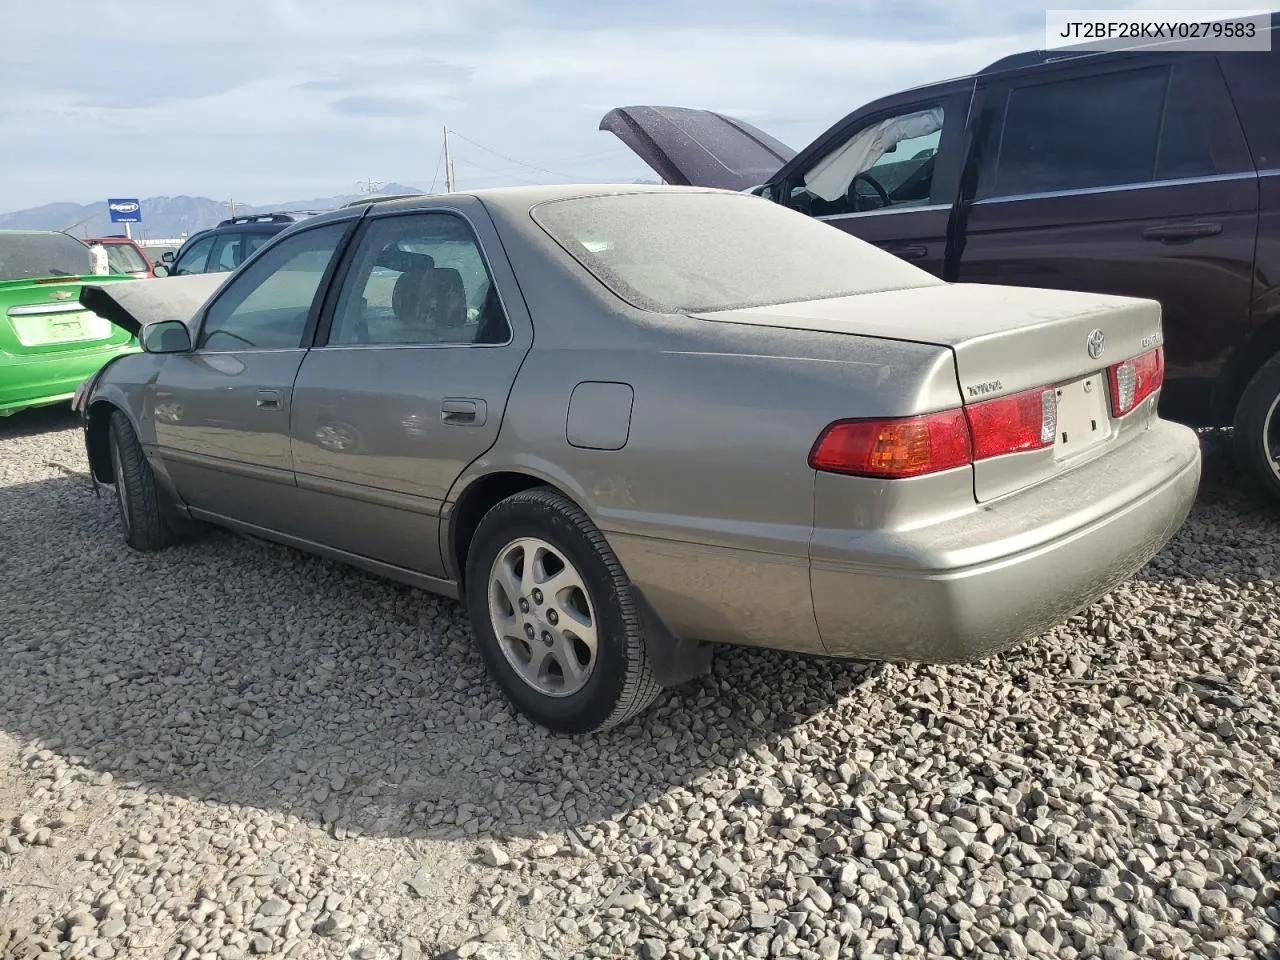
{"type": "Point", "coordinates": [901, 447]}
{"type": "Point", "coordinates": [1024, 421]}
{"type": "Point", "coordinates": [1132, 381]}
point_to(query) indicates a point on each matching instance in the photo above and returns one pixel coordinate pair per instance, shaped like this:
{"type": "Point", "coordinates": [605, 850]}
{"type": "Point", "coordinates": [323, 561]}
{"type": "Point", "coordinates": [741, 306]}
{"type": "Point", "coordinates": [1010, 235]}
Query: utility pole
{"type": "Point", "coordinates": [232, 205]}
{"type": "Point", "coordinates": [370, 186]}
{"type": "Point", "coordinates": [448, 163]}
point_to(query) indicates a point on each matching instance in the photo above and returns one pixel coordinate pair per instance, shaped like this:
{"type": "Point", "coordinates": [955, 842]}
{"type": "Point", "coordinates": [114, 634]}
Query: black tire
{"type": "Point", "coordinates": [1257, 429]}
{"type": "Point", "coordinates": [146, 522]}
{"type": "Point", "coordinates": [621, 682]}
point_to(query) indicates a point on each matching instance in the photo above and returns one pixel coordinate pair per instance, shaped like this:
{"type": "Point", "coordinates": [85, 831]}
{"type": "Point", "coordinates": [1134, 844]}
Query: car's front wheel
{"type": "Point", "coordinates": [143, 517]}
{"type": "Point", "coordinates": [1257, 428]}
{"type": "Point", "coordinates": [553, 615]}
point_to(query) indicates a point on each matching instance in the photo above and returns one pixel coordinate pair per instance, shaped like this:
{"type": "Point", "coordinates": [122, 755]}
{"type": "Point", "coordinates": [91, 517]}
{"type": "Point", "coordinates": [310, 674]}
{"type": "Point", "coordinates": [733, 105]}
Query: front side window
{"type": "Point", "coordinates": [226, 253]}
{"type": "Point", "coordinates": [1107, 130]}
{"type": "Point", "coordinates": [888, 163]}
{"type": "Point", "coordinates": [194, 258]}
{"type": "Point", "coordinates": [266, 306]}
{"type": "Point", "coordinates": [418, 279]}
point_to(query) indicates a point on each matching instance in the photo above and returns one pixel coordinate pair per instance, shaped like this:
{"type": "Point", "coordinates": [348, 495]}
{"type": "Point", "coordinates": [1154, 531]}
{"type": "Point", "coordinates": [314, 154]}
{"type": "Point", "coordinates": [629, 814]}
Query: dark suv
{"type": "Point", "coordinates": [226, 246]}
{"type": "Point", "coordinates": [1152, 173]}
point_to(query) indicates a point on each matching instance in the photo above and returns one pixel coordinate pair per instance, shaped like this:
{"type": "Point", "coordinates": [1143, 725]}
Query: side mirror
{"type": "Point", "coordinates": [160, 269]}
{"type": "Point", "coordinates": [167, 256]}
{"type": "Point", "coordinates": [166, 336]}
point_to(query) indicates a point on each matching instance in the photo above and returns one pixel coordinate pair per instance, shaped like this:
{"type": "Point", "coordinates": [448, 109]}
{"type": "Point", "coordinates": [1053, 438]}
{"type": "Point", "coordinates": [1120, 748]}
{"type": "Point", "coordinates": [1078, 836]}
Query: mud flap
{"type": "Point", "coordinates": [673, 660]}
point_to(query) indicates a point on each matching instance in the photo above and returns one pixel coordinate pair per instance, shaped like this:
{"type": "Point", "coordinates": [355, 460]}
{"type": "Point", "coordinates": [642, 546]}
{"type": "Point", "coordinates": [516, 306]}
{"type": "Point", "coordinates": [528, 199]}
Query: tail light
{"type": "Point", "coordinates": [1132, 381]}
{"type": "Point", "coordinates": [1024, 421]}
{"type": "Point", "coordinates": [911, 446]}
{"type": "Point", "coordinates": [901, 447]}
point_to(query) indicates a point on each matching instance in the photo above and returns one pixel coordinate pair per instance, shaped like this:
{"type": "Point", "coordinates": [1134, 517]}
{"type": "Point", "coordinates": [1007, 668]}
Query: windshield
{"type": "Point", "coordinates": [123, 258]}
{"type": "Point", "coordinates": [27, 256]}
{"type": "Point", "coordinates": [698, 252]}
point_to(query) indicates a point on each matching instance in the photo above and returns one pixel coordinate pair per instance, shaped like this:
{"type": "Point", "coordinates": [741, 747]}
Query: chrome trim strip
{"type": "Point", "coordinates": [409, 346]}
{"type": "Point", "coordinates": [43, 308]}
{"type": "Point", "coordinates": [1139, 185]}
{"type": "Point", "coordinates": [884, 210]}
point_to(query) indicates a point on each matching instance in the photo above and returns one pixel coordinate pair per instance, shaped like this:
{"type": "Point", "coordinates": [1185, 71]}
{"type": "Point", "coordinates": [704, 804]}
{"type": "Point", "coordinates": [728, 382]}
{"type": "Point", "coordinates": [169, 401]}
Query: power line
{"type": "Point", "coordinates": [520, 163]}
{"type": "Point", "coordinates": [436, 176]}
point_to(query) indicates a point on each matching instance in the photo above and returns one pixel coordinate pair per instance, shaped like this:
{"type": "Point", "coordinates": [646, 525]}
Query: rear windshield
{"type": "Point", "coordinates": [122, 258]}
{"type": "Point", "coordinates": [703, 252]}
{"type": "Point", "coordinates": [25, 256]}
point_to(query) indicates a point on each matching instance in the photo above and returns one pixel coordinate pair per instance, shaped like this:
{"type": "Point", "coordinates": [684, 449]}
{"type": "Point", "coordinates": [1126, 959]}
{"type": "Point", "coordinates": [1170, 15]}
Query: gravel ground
{"type": "Point", "coordinates": [231, 749]}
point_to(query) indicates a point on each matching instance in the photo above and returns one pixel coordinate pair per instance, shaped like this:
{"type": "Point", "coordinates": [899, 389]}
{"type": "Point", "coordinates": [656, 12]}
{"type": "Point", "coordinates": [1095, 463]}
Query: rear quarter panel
{"type": "Point", "coordinates": [710, 502]}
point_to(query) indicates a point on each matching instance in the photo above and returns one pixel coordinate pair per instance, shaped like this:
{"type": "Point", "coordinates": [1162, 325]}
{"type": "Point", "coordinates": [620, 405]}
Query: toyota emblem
{"type": "Point", "coordinates": [1096, 342]}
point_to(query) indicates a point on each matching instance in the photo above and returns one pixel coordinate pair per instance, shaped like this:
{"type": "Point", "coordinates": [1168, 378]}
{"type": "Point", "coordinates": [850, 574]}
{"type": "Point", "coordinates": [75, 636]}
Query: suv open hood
{"type": "Point", "coordinates": [131, 306]}
{"type": "Point", "coordinates": [698, 148]}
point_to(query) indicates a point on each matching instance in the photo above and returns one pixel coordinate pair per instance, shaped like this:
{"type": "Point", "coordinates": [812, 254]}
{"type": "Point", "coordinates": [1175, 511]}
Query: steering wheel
{"type": "Point", "coordinates": [853, 194]}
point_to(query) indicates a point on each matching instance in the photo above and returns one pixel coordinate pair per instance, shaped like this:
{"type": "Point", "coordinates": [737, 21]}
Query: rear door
{"type": "Point", "coordinates": [221, 412]}
{"type": "Point", "coordinates": [888, 174]}
{"type": "Point", "coordinates": [407, 382]}
{"type": "Point", "coordinates": [1126, 175]}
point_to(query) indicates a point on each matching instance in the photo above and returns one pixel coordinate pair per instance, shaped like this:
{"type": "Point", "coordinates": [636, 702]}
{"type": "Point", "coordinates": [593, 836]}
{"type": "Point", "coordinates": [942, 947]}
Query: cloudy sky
{"type": "Point", "coordinates": [267, 100]}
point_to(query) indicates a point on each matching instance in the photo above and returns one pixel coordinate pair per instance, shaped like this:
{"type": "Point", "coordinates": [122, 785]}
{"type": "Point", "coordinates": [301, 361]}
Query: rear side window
{"type": "Point", "coordinates": [25, 256]}
{"type": "Point", "coordinates": [1135, 126]}
{"type": "Point", "coordinates": [122, 258]}
{"type": "Point", "coordinates": [693, 252]}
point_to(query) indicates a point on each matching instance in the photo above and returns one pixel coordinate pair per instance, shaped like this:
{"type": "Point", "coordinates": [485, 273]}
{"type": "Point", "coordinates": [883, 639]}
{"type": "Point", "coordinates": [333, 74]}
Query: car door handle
{"type": "Point", "coordinates": [908, 251]}
{"type": "Point", "coordinates": [463, 411]}
{"type": "Point", "coordinates": [269, 399]}
{"type": "Point", "coordinates": [1176, 232]}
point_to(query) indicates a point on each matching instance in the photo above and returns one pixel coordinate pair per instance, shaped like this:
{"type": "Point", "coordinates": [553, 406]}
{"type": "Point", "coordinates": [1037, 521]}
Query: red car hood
{"type": "Point", "coordinates": [698, 148]}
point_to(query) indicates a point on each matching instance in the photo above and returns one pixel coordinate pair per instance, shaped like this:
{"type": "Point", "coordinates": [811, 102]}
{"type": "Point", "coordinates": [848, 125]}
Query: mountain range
{"type": "Point", "coordinates": [164, 217]}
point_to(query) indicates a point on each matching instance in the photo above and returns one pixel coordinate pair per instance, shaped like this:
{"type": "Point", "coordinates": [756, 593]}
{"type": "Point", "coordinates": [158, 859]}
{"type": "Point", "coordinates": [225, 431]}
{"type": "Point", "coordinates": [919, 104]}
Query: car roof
{"type": "Point", "coordinates": [513, 199]}
{"type": "Point", "coordinates": [35, 233]}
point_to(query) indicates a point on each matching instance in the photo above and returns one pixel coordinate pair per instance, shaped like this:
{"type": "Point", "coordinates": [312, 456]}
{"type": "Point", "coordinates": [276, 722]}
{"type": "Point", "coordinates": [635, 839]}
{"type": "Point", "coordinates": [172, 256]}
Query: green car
{"type": "Point", "coordinates": [49, 343]}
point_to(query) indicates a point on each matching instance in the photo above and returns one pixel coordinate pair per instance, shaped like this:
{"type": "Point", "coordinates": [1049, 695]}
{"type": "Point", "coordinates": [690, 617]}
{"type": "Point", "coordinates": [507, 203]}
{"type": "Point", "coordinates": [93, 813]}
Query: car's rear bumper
{"type": "Point", "coordinates": [973, 585]}
{"type": "Point", "coordinates": [34, 381]}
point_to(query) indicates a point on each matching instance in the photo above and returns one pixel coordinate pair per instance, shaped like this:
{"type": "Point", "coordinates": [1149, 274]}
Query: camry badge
{"type": "Point", "coordinates": [1096, 342]}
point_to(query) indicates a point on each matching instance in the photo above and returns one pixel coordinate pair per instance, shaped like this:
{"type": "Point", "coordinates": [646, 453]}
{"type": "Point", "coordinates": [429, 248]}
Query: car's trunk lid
{"type": "Point", "coordinates": [1005, 340]}
{"type": "Point", "coordinates": [44, 315]}
{"type": "Point", "coordinates": [701, 148]}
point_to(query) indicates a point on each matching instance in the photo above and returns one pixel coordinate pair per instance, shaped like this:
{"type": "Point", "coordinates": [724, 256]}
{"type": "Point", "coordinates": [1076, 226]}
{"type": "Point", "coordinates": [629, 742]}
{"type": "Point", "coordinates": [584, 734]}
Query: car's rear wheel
{"type": "Point", "coordinates": [1257, 428]}
{"type": "Point", "coordinates": [143, 517]}
{"type": "Point", "coordinates": [553, 615]}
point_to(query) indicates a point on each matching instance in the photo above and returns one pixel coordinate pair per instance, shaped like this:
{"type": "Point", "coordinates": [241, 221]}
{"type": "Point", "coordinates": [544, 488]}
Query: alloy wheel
{"type": "Point", "coordinates": [543, 617]}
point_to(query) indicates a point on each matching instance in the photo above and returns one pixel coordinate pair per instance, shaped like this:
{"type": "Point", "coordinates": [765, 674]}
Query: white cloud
{"type": "Point", "coordinates": [269, 99]}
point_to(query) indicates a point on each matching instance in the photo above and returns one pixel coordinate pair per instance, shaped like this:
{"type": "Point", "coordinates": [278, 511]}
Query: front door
{"type": "Point", "coordinates": [407, 383]}
{"type": "Point", "coordinates": [1135, 181]}
{"type": "Point", "coordinates": [221, 412]}
{"type": "Point", "coordinates": [890, 177]}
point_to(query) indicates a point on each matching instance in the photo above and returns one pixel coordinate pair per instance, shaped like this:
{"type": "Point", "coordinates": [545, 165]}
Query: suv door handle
{"type": "Point", "coordinates": [463, 411]}
{"type": "Point", "coordinates": [907, 251]}
{"type": "Point", "coordinates": [1181, 232]}
{"type": "Point", "coordinates": [269, 399]}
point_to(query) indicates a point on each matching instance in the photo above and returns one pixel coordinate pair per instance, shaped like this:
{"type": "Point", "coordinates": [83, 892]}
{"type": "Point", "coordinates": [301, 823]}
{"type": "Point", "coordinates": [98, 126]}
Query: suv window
{"type": "Point", "coordinates": [888, 163]}
{"type": "Point", "coordinates": [1133, 126]}
{"type": "Point", "coordinates": [267, 306]}
{"type": "Point", "coordinates": [419, 279]}
{"type": "Point", "coordinates": [226, 253]}
{"type": "Point", "coordinates": [193, 260]}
